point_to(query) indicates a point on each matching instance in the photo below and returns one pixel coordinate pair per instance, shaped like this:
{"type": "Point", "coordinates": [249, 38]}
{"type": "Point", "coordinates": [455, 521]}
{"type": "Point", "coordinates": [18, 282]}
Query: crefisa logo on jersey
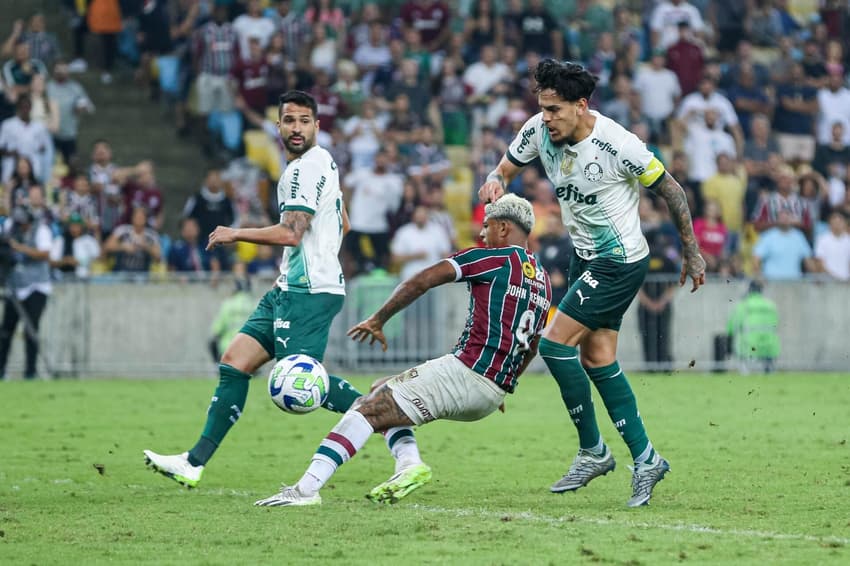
{"type": "Point", "coordinates": [571, 193]}
{"type": "Point", "coordinates": [526, 137]}
{"type": "Point", "coordinates": [604, 146]}
{"type": "Point", "coordinates": [593, 172]}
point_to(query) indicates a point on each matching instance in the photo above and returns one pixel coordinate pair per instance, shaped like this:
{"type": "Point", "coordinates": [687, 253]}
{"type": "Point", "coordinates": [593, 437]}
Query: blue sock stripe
{"type": "Point", "coordinates": [329, 453]}
{"type": "Point", "coordinates": [398, 435]}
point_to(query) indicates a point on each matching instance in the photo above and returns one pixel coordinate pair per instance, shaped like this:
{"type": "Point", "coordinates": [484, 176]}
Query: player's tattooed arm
{"type": "Point", "coordinates": [410, 290]}
{"type": "Point", "coordinates": [693, 265]}
{"type": "Point", "coordinates": [288, 232]}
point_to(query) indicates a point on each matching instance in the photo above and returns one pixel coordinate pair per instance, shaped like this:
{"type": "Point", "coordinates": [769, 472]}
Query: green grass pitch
{"type": "Point", "coordinates": [760, 474]}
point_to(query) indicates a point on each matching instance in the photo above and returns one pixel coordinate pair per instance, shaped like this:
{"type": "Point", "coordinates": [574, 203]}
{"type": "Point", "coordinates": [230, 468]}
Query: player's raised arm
{"type": "Point", "coordinates": [410, 290]}
{"type": "Point", "coordinates": [522, 151]}
{"type": "Point", "coordinates": [288, 232]}
{"type": "Point", "coordinates": [498, 180]}
{"type": "Point", "coordinates": [693, 265]}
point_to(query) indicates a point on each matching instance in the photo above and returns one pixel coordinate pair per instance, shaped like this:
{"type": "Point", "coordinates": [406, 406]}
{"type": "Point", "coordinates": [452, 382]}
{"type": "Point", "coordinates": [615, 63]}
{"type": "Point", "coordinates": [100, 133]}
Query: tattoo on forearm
{"type": "Point", "coordinates": [671, 191]}
{"type": "Point", "coordinates": [298, 221]}
{"type": "Point", "coordinates": [497, 178]}
{"type": "Point", "coordinates": [405, 294]}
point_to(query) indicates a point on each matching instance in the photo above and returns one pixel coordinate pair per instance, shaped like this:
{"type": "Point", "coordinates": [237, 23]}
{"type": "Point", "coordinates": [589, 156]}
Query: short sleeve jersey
{"type": "Point", "coordinates": [311, 184]}
{"type": "Point", "coordinates": [509, 301]}
{"type": "Point", "coordinates": [597, 183]}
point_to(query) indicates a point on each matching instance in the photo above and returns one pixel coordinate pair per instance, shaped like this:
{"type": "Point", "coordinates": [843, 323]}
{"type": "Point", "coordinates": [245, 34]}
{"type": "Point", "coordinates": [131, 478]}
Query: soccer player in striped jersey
{"type": "Point", "coordinates": [597, 167]}
{"type": "Point", "coordinates": [509, 300]}
{"type": "Point", "coordinates": [296, 314]}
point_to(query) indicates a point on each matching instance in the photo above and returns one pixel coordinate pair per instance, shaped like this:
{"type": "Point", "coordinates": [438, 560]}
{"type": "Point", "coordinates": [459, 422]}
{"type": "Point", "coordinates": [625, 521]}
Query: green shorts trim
{"type": "Point", "coordinates": [601, 290]}
{"type": "Point", "coordinates": [287, 323]}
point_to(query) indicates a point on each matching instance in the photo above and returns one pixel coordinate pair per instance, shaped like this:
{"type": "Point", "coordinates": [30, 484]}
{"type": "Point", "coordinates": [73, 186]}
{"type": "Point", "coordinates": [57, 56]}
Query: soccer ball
{"type": "Point", "coordinates": [298, 384]}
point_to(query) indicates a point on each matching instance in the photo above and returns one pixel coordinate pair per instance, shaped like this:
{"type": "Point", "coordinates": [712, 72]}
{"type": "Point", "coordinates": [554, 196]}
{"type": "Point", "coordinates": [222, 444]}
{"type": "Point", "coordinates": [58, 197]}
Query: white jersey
{"type": "Point", "coordinates": [311, 184]}
{"type": "Point", "coordinates": [597, 183]}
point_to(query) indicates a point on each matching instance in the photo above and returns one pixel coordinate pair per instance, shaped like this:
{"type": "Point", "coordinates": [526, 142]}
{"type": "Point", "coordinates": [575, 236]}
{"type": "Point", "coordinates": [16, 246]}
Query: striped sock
{"type": "Point", "coordinates": [402, 445]}
{"type": "Point", "coordinates": [338, 447]}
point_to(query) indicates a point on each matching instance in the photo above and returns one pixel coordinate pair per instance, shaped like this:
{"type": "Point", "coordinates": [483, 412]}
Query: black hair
{"type": "Point", "coordinates": [299, 98]}
{"type": "Point", "coordinates": [570, 81]}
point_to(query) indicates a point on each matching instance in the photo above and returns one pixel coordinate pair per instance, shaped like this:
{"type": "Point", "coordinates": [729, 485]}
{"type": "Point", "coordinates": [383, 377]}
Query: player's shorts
{"type": "Point", "coordinates": [444, 388]}
{"type": "Point", "coordinates": [601, 290]}
{"type": "Point", "coordinates": [287, 323]}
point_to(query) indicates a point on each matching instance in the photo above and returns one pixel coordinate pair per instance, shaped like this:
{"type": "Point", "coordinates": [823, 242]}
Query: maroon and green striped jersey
{"type": "Point", "coordinates": [509, 301]}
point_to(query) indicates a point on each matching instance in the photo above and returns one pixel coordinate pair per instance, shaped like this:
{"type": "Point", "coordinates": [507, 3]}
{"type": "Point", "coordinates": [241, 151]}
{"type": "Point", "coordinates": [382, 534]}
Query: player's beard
{"type": "Point", "coordinates": [300, 149]}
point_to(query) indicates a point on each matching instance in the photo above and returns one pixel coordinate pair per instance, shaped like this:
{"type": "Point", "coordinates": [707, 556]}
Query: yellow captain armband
{"type": "Point", "coordinates": [651, 173]}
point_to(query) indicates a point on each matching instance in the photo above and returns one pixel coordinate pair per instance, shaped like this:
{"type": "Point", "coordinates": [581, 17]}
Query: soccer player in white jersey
{"type": "Point", "coordinates": [295, 316]}
{"type": "Point", "coordinates": [598, 168]}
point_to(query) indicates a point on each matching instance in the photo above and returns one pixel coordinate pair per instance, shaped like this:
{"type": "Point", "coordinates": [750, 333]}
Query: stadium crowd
{"type": "Point", "coordinates": [745, 102]}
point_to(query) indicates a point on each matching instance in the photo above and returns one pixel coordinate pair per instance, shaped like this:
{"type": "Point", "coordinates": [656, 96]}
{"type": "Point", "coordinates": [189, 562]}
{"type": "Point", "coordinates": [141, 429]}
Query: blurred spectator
{"type": "Point", "coordinates": [428, 162]}
{"type": "Point", "coordinates": [16, 189]}
{"type": "Point", "coordinates": [783, 199]}
{"type": "Point", "coordinates": [250, 77]}
{"type": "Point", "coordinates": [210, 206]}
{"type": "Point", "coordinates": [29, 286]}
{"type": "Point", "coordinates": [450, 94]}
{"type": "Point", "coordinates": [655, 309]}
{"type": "Point", "coordinates": [832, 248]}
{"type": "Point", "coordinates": [329, 103]}
{"type": "Point", "coordinates": [663, 92]}
{"type": "Point", "coordinates": [293, 27]}
{"type": "Point", "coordinates": [374, 53]}
{"type": "Point", "coordinates": [753, 331]}
{"type": "Point", "coordinates": [104, 19]}
{"type": "Point", "coordinates": [748, 98]}
{"type": "Point", "coordinates": [486, 82]}
{"type": "Point", "coordinates": [483, 27]}
{"type": "Point", "coordinates": [727, 188]}
{"type": "Point", "coordinates": [668, 16]}
{"type": "Point", "coordinates": [712, 235]}
{"type": "Point", "coordinates": [359, 33]}
{"type": "Point", "coordinates": [43, 45]}
{"type": "Point", "coordinates": [265, 263]}
{"type": "Point", "coordinates": [135, 246]}
{"type": "Point", "coordinates": [555, 250]}
{"type": "Point", "coordinates": [686, 60]}
{"type": "Point", "coordinates": [74, 250]}
{"type": "Point", "coordinates": [761, 155]}
{"type": "Point", "coordinates": [744, 59]}
{"type": "Point", "coordinates": [348, 88]}
{"type": "Point", "coordinates": [601, 63]}
{"type": "Point", "coordinates": [695, 105]}
{"type": "Point", "coordinates": [250, 191]}
{"type": "Point", "coordinates": [252, 24]}
{"type": "Point", "coordinates": [704, 142]}
{"type": "Point", "coordinates": [814, 195]}
{"type": "Point", "coordinates": [404, 213]}
{"type": "Point", "coordinates": [388, 73]}
{"type": "Point", "coordinates": [21, 136]}
{"type": "Point", "coordinates": [323, 49]}
{"type": "Point", "coordinates": [45, 110]}
{"type": "Point", "coordinates": [38, 209]}
{"type": "Point", "coordinates": [81, 202]}
{"type": "Point", "coordinates": [796, 107]}
{"type": "Point", "coordinates": [813, 64]}
{"type": "Point", "coordinates": [72, 101]}
{"type": "Point", "coordinates": [617, 108]}
{"type": "Point", "coordinates": [834, 106]}
{"type": "Point", "coordinates": [411, 86]}
{"type": "Point", "coordinates": [762, 24]}
{"type": "Point", "coordinates": [539, 31]}
{"type": "Point", "coordinates": [19, 71]}
{"type": "Point", "coordinates": [364, 134]}
{"type": "Point", "coordinates": [188, 253]}
{"type": "Point", "coordinates": [281, 71]}
{"type": "Point", "coordinates": [781, 252]}
{"type": "Point", "coordinates": [142, 191]}
{"type": "Point", "coordinates": [728, 18]}
{"type": "Point", "coordinates": [431, 18]}
{"type": "Point", "coordinates": [486, 154]}
{"type": "Point", "coordinates": [419, 244]}
{"type": "Point", "coordinates": [327, 13]}
{"type": "Point", "coordinates": [834, 150]}
{"type": "Point", "coordinates": [374, 195]}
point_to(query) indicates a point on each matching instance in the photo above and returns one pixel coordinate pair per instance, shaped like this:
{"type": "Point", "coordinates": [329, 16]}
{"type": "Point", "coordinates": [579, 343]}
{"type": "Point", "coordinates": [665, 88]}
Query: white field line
{"type": "Point", "coordinates": [681, 527]}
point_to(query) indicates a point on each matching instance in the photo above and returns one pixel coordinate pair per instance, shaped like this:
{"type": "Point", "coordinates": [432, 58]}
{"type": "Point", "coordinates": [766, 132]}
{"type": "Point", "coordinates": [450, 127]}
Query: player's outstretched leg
{"type": "Point", "coordinates": [410, 471]}
{"type": "Point", "coordinates": [616, 393]}
{"type": "Point", "coordinates": [226, 407]}
{"type": "Point", "coordinates": [594, 459]}
{"type": "Point", "coordinates": [338, 447]}
{"type": "Point", "coordinates": [341, 395]}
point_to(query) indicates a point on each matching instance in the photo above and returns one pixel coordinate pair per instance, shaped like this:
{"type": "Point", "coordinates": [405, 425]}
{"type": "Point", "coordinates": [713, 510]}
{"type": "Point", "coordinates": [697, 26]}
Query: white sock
{"type": "Point", "coordinates": [402, 445]}
{"type": "Point", "coordinates": [338, 447]}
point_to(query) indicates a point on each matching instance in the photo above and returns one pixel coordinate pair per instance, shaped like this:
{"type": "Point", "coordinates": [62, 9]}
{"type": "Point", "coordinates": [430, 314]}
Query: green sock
{"type": "Point", "coordinates": [617, 395]}
{"type": "Point", "coordinates": [225, 409]}
{"type": "Point", "coordinates": [341, 395]}
{"type": "Point", "coordinates": [563, 363]}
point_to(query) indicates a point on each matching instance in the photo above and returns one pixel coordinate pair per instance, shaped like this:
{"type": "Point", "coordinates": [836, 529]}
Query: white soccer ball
{"type": "Point", "coordinates": [298, 384]}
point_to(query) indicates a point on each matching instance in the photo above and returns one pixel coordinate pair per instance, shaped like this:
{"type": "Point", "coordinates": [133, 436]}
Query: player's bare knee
{"type": "Point", "coordinates": [378, 383]}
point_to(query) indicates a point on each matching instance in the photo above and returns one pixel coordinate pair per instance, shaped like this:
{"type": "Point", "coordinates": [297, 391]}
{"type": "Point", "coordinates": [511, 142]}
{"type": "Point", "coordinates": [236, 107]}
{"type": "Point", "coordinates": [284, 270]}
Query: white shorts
{"type": "Point", "coordinates": [213, 94]}
{"type": "Point", "coordinates": [445, 388]}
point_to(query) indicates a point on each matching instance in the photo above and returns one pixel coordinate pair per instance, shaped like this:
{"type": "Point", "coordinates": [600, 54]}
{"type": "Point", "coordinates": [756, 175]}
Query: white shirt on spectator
{"type": "Point", "coordinates": [373, 197]}
{"type": "Point", "coordinates": [666, 17]}
{"type": "Point", "coordinates": [702, 146]}
{"type": "Point", "coordinates": [481, 78]}
{"type": "Point", "coordinates": [410, 239]}
{"type": "Point", "coordinates": [85, 250]}
{"type": "Point", "coordinates": [369, 56]}
{"type": "Point", "coordinates": [247, 26]}
{"type": "Point", "coordinates": [29, 139]}
{"type": "Point", "coordinates": [660, 90]}
{"type": "Point", "coordinates": [834, 107]}
{"type": "Point", "coordinates": [696, 104]}
{"type": "Point", "coordinates": [43, 243]}
{"type": "Point", "coordinates": [834, 252]}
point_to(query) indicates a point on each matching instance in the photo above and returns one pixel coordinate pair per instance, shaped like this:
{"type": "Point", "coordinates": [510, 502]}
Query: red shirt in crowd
{"type": "Point", "coordinates": [430, 18]}
{"type": "Point", "coordinates": [711, 239]}
{"type": "Point", "coordinates": [685, 59]}
{"type": "Point", "coordinates": [253, 79]}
